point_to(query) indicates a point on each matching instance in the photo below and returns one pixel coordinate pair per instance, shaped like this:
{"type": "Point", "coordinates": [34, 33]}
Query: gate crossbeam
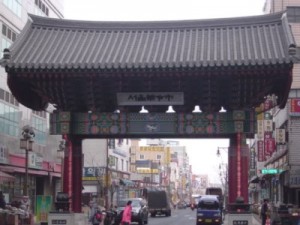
{"type": "Point", "coordinates": [168, 125]}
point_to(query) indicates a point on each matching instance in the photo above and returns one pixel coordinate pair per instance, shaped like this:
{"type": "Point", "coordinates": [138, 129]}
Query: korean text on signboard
{"type": "Point", "coordinates": [150, 98]}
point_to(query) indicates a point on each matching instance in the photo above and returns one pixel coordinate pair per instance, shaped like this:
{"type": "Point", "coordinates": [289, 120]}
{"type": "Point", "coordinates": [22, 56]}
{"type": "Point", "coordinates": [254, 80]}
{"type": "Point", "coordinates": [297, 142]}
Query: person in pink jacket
{"type": "Point", "coordinates": [126, 217]}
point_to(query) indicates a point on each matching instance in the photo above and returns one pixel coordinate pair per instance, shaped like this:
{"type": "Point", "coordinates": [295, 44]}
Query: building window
{"type": "Point", "coordinates": [8, 37]}
{"type": "Point", "coordinates": [15, 6]}
{"type": "Point", "coordinates": [111, 143]}
{"type": "Point", "coordinates": [8, 97]}
{"type": "Point", "coordinates": [142, 156]}
{"type": "Point", "coordinates": [158, 156]}
{"type": "Point", "coordinates": [40, 127]}
{"type": "Point", "coordinates": [9, 120]}
{"type": "Point", "coordinates": [40, 8]}
{"type": "Point", "coordinates": [294, 93]}
{"type": "Point", "coordinates": [120, 141]}
{"type": "Point", "coordinates": [42, 114]}
{"type": "Point", "coordinates": [117, 164]}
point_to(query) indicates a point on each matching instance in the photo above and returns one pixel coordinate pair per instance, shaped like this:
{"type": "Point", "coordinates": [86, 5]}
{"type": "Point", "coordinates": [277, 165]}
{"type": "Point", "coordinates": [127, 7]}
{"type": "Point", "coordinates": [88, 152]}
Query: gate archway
{"type": "Point", "coordinates": [88, 70]}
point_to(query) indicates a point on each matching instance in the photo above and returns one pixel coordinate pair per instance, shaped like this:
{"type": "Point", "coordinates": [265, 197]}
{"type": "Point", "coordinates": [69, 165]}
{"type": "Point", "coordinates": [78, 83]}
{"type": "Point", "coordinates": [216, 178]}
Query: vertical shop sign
{"type": "Point", "coordinates": [252, 159]}
{"type": "Point", "coordinates": [280, 136]}
{"type": "Point", "coordinates": [269, 144]}
{"type": "Point", "coordinates": [260, 151]}
{"type": "Point", "coordinates": [268, 125]}
{"type": "Point", "coordinates": [260, 129]}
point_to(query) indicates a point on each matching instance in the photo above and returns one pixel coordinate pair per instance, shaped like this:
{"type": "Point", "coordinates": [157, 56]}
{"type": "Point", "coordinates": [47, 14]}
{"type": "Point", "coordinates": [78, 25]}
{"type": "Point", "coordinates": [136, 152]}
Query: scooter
{"type": "Point", "coordinates": [193, 206]}
{"type": "Point", "coordinates": [110, 216]}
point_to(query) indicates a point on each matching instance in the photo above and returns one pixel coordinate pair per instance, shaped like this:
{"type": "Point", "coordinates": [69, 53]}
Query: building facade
{"type": "Point", "coordinates": [106, 175]}
{"type": "Point", "coordinates": [163, 164]}
{"type": "Point", "coordinates": [43, 166]}
{"type": "Point", "coordinates": [274, 154]}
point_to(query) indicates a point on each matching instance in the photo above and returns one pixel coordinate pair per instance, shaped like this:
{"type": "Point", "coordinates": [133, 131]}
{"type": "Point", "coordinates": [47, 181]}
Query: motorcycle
{"type": "Point", "coordinates": [110, 216]}
{"type": "Point", "coordinates": [193, 206]}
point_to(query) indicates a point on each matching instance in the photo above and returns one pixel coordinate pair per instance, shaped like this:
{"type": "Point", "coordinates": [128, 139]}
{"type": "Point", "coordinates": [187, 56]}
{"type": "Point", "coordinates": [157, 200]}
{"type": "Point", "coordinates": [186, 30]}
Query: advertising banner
{"type": "Point", "coordinates": [269, 144]}
{"type": "Point", "coordinates": [280, 136]}
{"type": "Point", "coordinates": [268, 125]}
{"type": "Point", "coordinates": [252, 158]}
{"type": "Point", "coordinates": [260, 129]}
{"type": "Point", "coordinates": [295, 107]}
{"type": "Point", "coordinates": [260, 151]}
{"type": "Point", "coordinates": [43, 207]}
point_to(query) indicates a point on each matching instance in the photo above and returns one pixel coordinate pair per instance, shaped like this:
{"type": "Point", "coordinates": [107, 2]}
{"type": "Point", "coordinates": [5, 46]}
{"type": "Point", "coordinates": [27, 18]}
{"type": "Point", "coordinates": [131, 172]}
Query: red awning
{"type": "Point", "coordinates": [4, 177]}
{"type": "Point", "coordinates": [22, 170]}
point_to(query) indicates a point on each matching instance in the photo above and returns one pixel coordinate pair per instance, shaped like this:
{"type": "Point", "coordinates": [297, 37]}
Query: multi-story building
{"type": "Point", "coordinates": [42, 162]}
{"type": "Point", "coordinates": [277, 142]}
{"type": "Point", "coordinates": [106, 176]}
{"type": "Point", "coordinates": [163, 164]}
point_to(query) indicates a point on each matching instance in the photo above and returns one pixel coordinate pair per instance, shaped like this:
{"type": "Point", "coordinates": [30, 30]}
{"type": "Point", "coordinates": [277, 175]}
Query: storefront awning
{"type": "Point", "coordinates": [89, 189]}
{"type": "Point", "coordinates": [12, 169]}
{"type": "Point", "coordinates": [254, 180]}
{"type": "Point", "coordinates": [4, 177]}
{"type": "Point", "coordinates": [126, 182]}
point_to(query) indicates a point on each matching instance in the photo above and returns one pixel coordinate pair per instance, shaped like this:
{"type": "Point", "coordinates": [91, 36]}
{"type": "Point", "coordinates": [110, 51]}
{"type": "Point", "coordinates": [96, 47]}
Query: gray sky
{"type": "Point", "coordinates": [133, 10]}
{"type": "Point", "coordinates": [202, 152]}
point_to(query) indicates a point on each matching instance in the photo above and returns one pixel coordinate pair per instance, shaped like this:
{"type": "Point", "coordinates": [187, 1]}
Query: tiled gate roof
{"type": "Point", "coordinates": [82, 65]}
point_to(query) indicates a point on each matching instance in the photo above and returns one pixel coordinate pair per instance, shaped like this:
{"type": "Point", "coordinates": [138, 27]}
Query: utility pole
{"type": "Point", "coordinates": [106, 177]}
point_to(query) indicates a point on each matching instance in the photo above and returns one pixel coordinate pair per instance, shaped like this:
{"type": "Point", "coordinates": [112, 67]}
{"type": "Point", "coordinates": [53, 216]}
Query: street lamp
{"type": "Point", "coordinates": [26, 143]}
{"type": "Point", "coordinates": [223, 169]}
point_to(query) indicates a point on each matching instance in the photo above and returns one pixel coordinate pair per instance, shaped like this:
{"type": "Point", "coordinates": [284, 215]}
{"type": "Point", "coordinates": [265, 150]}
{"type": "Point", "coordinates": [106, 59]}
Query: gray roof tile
{"type": "Point", "coordinates": [55, 43]}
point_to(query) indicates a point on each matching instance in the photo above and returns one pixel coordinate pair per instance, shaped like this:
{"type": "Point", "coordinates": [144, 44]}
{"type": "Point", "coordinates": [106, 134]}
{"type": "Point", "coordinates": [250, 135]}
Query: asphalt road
{"type": "Point", "coordinates": [187, 217]}
{"type": "Point", "coordinates": [178, 217]}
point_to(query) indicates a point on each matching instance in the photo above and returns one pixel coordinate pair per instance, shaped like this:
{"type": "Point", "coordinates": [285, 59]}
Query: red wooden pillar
{"type": "Point", "coordinates": [77, 174]}
{"type": "Point", "coordinates": [238, 168]}
{"type": "Point", "coordinates": [72, 177]}
{"type": "Point", "coordinates": [67, 169]}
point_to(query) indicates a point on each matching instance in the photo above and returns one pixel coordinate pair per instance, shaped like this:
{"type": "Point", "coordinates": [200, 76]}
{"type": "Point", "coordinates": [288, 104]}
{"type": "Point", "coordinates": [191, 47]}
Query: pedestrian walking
{"type": "Point", "coordinates": [264, 212]}
{"type": "Point", "coordinates": [2, 201]}
{"type": "Point", "coordinates": [126, 217]}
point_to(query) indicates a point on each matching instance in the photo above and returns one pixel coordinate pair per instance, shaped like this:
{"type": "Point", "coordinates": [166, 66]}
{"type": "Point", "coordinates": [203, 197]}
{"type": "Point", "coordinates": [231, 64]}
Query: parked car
{"type": "Point", "coordinates": [139, 210]}
{"type": "Point", "coordinates": [181, 205]}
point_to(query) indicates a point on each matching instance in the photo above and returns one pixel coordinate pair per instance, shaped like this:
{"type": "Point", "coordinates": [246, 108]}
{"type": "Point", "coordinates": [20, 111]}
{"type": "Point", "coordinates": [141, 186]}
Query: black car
{"type": "Point", "coordinates": [139, 210]}
{"type": "Point", "coordinates": [181, 205]}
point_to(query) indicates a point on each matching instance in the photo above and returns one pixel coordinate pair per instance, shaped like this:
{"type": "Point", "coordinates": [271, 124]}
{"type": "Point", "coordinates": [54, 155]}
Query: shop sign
{"type": "Point", "coordinates": [260, 151]}
{"type": "Point", "coordinates": [294, 178]}
{"type": "Point", "coordinates": [295, 107]}
{"type": "Point", "coordinates": [280, 136]}
{"type": "Point", "coordinates": [93, 171]}
{"type": "Point", "coordinates": [269, 144]}
{"type": "Point", "coordinates": [150, 98]}
{"type": "Point", "coordinates": [270, 171]}
{"type": "Point", "coordinates": [260, 129]}
{"type": "Point", "coordinates": [268, 125]}
{"type": "Point", "coordinates": [35, 160]}
{"type": "Point", "coordinates": [252, 158]}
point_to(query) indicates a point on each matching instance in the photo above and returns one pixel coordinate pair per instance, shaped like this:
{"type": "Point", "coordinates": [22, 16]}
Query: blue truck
{"type": "Point", "coordinates": [208, 210]}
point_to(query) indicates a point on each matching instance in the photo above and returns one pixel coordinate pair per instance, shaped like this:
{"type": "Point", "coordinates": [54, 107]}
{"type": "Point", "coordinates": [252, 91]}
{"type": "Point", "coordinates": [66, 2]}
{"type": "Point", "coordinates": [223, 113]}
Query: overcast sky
{"type": "Point", "coordinates": [202, 152]}
{"type": "Point", "coordinates": [133, 10]}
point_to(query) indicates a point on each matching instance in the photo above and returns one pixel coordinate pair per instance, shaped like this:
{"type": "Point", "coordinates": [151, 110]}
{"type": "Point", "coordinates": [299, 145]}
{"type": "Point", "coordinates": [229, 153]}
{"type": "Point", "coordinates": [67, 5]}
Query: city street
{"type": "Point", "coordinates": [186, 217]}
{"type": "Point", "coordinates": [178, 217]}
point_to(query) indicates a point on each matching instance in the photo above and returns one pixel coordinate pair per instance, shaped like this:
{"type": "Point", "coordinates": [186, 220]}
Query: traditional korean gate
{"type": "Point", "coordinates": [86, 68]}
